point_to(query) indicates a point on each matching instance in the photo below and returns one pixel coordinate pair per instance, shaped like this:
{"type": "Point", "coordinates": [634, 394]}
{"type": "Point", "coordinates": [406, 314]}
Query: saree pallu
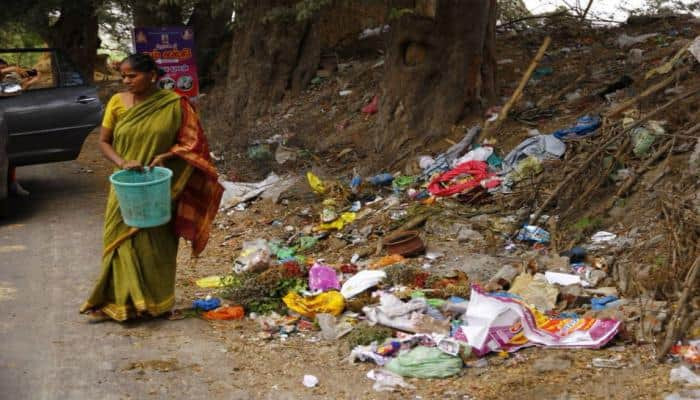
{"type": "Point", "coordinates": [138, 277]}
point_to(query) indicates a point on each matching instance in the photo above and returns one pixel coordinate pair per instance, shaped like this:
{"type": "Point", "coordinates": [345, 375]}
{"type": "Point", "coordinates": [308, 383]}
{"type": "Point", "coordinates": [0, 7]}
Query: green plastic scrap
{"type": "Point", "coordinates": [306, 242]}
{"type": "Point", "coordinates": [402, 182]}
{"type": "Point", "coordinates": [425, 362]}
{"type": "Point", "coordinates": [418, 294]}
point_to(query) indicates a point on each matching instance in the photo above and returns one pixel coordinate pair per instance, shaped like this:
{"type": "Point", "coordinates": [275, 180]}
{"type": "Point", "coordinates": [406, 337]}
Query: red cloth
{"type": "Point", "coordinates": [199, 201]}
{"type": "Point", "coordinates": [478, 170]}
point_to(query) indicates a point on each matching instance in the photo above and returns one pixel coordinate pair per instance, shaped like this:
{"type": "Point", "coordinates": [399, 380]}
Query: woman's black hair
{"type": "Point", "coordinates": [142, 62]}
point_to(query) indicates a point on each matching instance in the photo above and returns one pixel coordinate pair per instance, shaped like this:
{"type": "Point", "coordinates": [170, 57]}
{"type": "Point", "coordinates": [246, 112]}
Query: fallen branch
{"type": "Point", "coordinates": [681, 309]}
{"type": "Point", "coordinates": [519, 91]}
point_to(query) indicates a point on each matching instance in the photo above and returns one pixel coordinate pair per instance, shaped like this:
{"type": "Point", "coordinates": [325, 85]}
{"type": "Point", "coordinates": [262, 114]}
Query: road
{"type": "Point", "coordinates": [49, 258]}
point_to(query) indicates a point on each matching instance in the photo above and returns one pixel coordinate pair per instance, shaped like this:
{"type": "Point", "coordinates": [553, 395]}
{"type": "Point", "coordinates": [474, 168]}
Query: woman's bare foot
{"type": "Point", "coordinates": [97, 316]}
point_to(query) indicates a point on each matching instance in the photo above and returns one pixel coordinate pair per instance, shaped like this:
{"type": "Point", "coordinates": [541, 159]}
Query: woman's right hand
{"type": "Point", "coordinates": [131, 165]}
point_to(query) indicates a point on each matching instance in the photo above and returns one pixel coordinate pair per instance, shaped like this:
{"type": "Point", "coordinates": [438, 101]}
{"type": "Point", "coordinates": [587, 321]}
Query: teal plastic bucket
{"type": "Point", "coordinates": [144, 197]}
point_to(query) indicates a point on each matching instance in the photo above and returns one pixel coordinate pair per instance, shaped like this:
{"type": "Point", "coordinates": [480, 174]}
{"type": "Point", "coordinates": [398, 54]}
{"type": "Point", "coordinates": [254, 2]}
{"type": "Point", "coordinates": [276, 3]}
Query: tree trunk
{"type": "Point", "coordinates": [273, 54]}
{"type": "Point", "coordinates": [210, 32]}
{"type": "Point", "coordinates": [75, 33]}
{"type": "Point", "coordinates": [148, 14]}
{"type": "Point", "coordinates": [440, 67]}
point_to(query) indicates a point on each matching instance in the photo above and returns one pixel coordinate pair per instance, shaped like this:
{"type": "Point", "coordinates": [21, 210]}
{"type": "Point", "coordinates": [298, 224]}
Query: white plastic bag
{"type": "Point", "coordinates": [255, 257]}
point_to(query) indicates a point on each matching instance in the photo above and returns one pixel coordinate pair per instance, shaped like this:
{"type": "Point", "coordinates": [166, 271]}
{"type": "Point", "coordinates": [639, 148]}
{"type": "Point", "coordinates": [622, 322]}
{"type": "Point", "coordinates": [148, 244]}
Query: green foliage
{"type": "Point", "coordinates": [396, 13]}
{"type": "Point", "coordinates": [587, 224]}
{"type": "Point", "coordinates": [14, 35]}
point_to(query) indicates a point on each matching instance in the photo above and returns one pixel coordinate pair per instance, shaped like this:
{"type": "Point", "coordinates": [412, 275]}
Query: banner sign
{"type": "Point", "coordinates": [173, 49]}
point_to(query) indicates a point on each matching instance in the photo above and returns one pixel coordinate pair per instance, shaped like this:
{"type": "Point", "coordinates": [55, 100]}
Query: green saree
{"type": "Point", "coordinates": [139, 276]}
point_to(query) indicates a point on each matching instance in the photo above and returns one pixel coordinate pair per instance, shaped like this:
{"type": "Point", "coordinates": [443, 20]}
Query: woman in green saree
{"type": "Point", "coordinates": [144, 127]}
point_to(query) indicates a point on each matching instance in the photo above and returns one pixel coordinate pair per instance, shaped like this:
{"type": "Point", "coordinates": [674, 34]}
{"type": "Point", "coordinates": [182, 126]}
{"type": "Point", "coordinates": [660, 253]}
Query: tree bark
{"type": "Point", "coordinates": [147, 14]}
{"type": "Point", "coordinates": [440, 67]}
{"type": "Point", "coordinates": [270, 58]}
{"type": "Point", "coordinates": [75, 33]}
{"type": "Point", "coordinates": [210, 32]}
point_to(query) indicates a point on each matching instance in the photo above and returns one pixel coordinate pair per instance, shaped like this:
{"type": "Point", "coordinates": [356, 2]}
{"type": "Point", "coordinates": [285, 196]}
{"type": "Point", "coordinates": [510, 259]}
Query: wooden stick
{"type": "Point", "coordinates": [601, 148]}
{"type": "Point", "coordinates": [672, 329]}
{"type": "Point", "coordinates": [648, 92]}
{"type": "Point", "coordinates": [519, 91]}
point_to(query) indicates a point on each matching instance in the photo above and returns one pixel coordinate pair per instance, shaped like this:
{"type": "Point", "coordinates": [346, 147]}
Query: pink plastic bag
{"type": "Point", "coordinates": [323, 277]}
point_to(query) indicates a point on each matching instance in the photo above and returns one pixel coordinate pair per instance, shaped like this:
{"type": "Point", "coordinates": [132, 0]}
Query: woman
{"type": "Point", "coordinates": [145, 127]}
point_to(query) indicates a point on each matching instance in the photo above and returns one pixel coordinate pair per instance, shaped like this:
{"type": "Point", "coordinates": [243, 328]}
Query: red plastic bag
{"type": "Point", "coordinates": [477, 170]}
{"type": "Point", "coordinates": [372, 107]}
{"type": "Point", "coordinates": [225, 313]}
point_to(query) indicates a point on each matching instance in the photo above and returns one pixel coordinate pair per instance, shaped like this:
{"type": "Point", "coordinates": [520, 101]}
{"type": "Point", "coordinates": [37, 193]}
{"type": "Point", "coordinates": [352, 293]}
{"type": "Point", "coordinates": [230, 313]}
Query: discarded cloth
{"type": "Point", "coordinates": [544, 147]}
{"type": "Point", "coordinates": [407, 317]}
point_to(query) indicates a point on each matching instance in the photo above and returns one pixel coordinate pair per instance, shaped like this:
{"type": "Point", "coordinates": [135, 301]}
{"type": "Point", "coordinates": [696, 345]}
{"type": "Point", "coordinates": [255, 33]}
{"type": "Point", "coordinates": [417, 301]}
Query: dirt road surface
{"type": "Point", "coordinates": [49, 259]}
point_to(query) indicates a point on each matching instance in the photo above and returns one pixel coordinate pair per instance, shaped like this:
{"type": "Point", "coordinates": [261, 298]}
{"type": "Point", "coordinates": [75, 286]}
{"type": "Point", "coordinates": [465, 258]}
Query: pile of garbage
{"type": "Point", "coordinates": [389, 292]}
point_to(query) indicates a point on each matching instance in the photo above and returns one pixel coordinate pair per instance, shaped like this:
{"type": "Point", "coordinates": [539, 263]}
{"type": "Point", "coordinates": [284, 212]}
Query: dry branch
{"type": "Point", "coordinates": [519, 91]}
{"type": "Point", "coordinates": [681, 311]}
{"type": "Point", "coordinates": [569, 178]}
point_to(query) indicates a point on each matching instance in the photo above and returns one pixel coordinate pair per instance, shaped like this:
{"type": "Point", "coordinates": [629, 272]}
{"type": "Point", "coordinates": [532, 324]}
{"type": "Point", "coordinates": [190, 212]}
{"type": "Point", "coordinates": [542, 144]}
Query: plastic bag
{"type": "Point", "coordinates": [344, 219]}
{"type": "Point", "coordinates": [361, 281]}
{"type": "Point", "coordinates": [325, 303]}
{"type": "Point", "coordinates": [387, 381]}
{"type": "Point", "coordinates": [425, 362]}
{"type": "Point", "coordinates": [225, 313]}
{"type": "Point", "coordinates": [330, 328]}
{"type": "Point", "coordinates": [206, 304]}
{"type": "Point", "coordinates": [214, 281]}
{"type": "Point", "coordinates": [532, 233]}
{"type": "Point", "coordinates": [316, 183]}
{"type": "Point", "coordinates": [386, 261]}
{"type": "Point", "coordinates": [495, 323]}
{"type": "Point", "coordinates": [323, 277]}
{"type": "Point", "coordinates": [255, 257]}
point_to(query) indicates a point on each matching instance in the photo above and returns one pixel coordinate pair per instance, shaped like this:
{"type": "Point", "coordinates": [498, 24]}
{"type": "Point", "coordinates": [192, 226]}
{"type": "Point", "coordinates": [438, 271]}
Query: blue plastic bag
{"type": "Point", "coordinates": [585, 126]}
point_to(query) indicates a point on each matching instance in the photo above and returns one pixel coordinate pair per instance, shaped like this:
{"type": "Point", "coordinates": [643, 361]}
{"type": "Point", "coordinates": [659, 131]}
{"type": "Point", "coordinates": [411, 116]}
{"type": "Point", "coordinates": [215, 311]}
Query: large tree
{"type": "Point", "coordinates": [439, 67]}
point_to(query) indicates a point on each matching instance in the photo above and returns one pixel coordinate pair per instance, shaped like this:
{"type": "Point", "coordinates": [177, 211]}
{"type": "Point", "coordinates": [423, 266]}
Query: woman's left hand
{"type": "Point", "coordinates": [160, 159]}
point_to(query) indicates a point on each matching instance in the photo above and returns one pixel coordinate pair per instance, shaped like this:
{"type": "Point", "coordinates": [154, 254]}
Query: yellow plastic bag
{"type": "Point", "coordinates": [338, 224]}
{"type": "Point", "coordinates": [331, 302]}
{"type": "Point", "coordinates": [316, 183]}
{"type": "Point", "coordinates": [214, 281]}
